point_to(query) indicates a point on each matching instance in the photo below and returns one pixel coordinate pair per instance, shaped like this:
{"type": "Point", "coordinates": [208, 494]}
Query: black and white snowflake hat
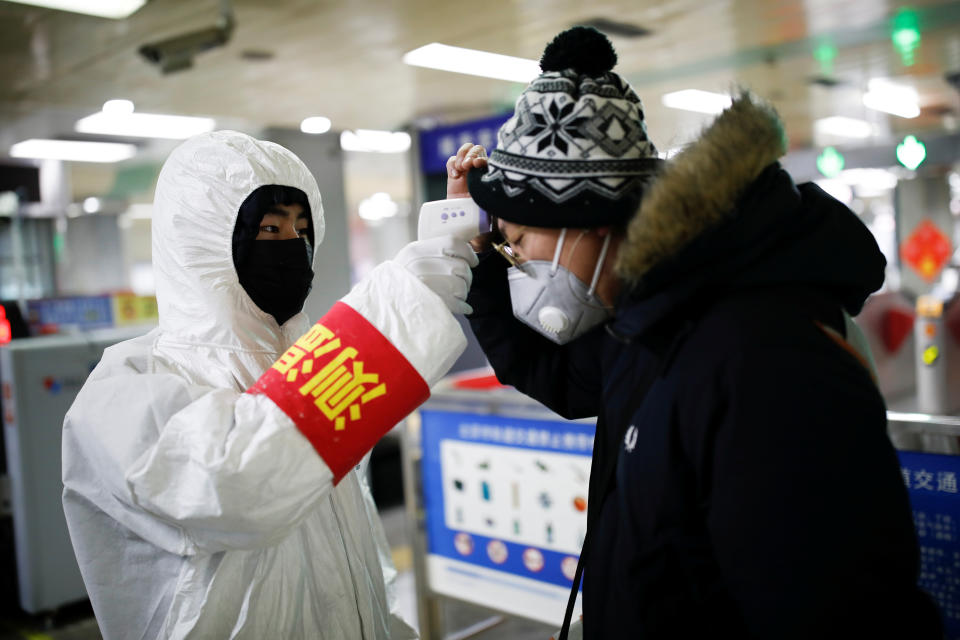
{"type": "Point", "coordinates": [576, 151]}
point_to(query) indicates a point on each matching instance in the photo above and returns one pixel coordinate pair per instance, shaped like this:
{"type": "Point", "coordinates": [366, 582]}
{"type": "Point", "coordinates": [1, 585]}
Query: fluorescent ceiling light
{"type": "Point", "coordinates": [896, 99]}
{"type": "Point", "coordinates": [843, 127]}
{"type": "Point", "coordinates": [115, 122]}
{"type": "Point", "coordinates": [116, 9]}
{"type": "Point", "coordinates": [72, 150]}
{"type": "Point", "coordinates": [378, 141]}
{"type": "Point", "coordinates": [91, 205]}
{"type": "Point", "coordinates": [697, 100]}
{"type": "Point", "coordinates": [117, 107]}
{"type": "Point", "coordinates": [869, 183]}
{"type": "Point", "coordinates": [315, 124]}
{"type": "Point", "coordinates": [378, 207]}
{"type": "Point", "coordinates": [473, 62]}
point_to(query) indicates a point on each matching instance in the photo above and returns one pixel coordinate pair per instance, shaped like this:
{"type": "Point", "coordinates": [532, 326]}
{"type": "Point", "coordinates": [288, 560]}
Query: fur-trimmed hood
{"type": "Point", "coordinates": [700, 186]}
{"type": "Point", "coordinates": [724, 215]}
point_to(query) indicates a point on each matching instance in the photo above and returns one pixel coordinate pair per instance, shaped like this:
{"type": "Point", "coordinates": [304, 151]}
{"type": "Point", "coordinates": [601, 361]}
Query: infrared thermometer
{"type": "Point", "coordinates": [459, 217]}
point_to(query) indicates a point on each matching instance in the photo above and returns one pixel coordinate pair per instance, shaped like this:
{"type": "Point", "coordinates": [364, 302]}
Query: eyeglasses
{"type": "Point", "coordinates": [504, 249]}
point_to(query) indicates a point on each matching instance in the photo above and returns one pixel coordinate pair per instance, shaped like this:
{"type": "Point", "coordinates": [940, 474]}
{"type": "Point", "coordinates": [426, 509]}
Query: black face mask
{"type": "Point", "coordinates": [276, 274]}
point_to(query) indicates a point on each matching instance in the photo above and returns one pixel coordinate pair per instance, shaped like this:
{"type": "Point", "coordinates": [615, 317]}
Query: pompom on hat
{"type": "Point", "coordinates": [576, 151]}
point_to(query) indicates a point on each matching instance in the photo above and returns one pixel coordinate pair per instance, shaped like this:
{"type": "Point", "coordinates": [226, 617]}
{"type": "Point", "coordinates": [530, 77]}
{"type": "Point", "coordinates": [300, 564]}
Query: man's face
{"type": "Point", "coordinates": [579, 253]}
{"type": "Point", "coordinates": [283, 222]}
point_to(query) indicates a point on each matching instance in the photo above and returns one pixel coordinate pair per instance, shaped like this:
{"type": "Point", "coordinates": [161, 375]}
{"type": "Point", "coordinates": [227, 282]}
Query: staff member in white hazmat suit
{"type": "Point", "coordinates": [209, 465]}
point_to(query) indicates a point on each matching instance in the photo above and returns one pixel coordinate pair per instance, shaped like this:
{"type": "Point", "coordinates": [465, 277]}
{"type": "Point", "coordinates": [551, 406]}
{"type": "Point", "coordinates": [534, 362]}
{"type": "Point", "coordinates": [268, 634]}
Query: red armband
{"type": "Point", "coordinates": [344, 385]}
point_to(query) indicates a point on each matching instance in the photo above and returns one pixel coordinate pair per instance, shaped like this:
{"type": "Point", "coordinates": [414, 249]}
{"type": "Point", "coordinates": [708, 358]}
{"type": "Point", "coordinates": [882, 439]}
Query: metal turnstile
{"type": "Point", "coordinates": [465, 450]}
{"type": "Point", "coordinates": [496, 493]}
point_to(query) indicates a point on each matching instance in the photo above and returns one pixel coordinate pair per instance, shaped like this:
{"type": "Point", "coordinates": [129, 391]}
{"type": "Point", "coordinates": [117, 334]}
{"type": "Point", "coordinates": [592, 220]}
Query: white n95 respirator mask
{"type": "Point", "coordinates": [551, 300]}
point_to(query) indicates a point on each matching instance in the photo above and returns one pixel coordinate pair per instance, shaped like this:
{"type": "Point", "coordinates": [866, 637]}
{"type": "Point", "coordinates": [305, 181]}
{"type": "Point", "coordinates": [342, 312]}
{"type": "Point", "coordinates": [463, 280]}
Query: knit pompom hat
{"type": "Point", "coordinates": [576, 151]}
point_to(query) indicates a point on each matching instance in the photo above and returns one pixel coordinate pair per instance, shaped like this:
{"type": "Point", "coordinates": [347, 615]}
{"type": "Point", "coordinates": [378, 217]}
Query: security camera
{"type": "Point", "coordinates": [953, 79]}
{"type": "Point", "coordinates": [176, 53]}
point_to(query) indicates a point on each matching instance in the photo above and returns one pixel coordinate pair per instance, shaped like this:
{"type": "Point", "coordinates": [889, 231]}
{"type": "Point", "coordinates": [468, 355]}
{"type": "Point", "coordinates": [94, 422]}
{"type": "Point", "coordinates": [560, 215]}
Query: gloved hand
{"type": "Point", "coordinates": [443, 264]}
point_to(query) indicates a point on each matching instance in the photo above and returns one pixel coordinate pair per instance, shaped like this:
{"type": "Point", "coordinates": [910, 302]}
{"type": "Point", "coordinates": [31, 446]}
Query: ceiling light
{"type": "Point", "coordinates": [117, 107]}
{"type": "Point", "coordinates": [114, 122]}
{"type": "Point", "coordinates": [697, 100]}
{"type": "Point", "coordinates": [473, 62]}
{"type": "Point", "coordinates": [91, 205]}
{"type": "Point", "coordinates": [116, 9]}
{"type": "Point", "coordinates": [315, 124]}
{"type": "Point", "coordinates": [378, 207]}
{"type": "Point", "coordinates": [378, 141]}
{"type": "Point", "coordinates": [869, 183]}
{"type": "Point", "coordinates": [895, 99]}
{"type": "Point", "coordinates": [843, 127]}
{"type": "Point", "coordinates": [72, 150]}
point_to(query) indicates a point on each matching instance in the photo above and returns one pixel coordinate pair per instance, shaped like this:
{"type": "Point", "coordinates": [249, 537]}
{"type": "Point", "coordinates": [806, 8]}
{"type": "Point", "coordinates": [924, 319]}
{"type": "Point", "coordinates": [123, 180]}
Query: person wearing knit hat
{"type": "Point", "coordinates": [701, 309]}
{"type": "Point", "coordinates": [576, 151]}
{"type": "Point", "coordinates": [575, 154]}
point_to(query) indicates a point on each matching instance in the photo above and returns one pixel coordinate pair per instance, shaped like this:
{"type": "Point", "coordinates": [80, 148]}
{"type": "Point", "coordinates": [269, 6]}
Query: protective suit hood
{"type": "Point", "coordinates": [199, 192]}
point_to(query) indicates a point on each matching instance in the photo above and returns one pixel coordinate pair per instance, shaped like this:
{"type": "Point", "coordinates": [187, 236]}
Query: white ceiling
{"type": "Point", "coordinates": [342, 60]}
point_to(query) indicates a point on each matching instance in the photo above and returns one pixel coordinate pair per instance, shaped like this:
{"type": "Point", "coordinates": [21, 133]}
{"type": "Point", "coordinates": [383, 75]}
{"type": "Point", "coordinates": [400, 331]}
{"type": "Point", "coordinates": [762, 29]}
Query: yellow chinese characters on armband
{"type": "Point", "coordinates": [316, 342]}
{"type": "Point", "coordinates": [326, 379]}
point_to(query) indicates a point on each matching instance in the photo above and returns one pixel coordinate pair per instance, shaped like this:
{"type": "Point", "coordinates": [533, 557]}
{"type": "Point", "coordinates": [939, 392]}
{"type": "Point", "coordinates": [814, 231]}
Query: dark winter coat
{"type": "Point", "coordinates": [757, 494]}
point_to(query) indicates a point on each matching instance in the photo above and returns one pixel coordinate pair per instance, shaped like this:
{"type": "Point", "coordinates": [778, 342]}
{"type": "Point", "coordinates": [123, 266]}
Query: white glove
{"type": "Point", "coordinates": [443, 264]}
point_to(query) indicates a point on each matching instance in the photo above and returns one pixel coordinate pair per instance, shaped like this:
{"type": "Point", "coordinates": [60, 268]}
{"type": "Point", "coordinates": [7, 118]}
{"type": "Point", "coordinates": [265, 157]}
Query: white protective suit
{"type": "Point", "coordinates": [196, 509]}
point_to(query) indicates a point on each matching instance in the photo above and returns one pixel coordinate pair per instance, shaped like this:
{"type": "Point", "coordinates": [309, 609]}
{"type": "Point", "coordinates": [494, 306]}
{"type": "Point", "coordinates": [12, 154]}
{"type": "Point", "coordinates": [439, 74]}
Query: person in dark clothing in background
{"type": "Point", "coordinates": [743, 483]}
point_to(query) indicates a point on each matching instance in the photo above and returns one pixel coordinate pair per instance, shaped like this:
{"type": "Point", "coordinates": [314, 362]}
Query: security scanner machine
{"type": "Point", "coordinates": [40, 379]}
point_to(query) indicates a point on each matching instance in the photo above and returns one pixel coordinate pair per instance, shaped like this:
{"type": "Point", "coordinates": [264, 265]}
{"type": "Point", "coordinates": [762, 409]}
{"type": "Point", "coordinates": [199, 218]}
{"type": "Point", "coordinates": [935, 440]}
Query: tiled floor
{"type": "Point", "coordinates": [76, 622]}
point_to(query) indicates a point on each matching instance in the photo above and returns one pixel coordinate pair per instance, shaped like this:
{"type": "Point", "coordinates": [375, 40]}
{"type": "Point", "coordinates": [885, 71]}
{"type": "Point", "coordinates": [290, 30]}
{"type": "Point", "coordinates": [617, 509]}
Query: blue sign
{"type": "Point", "coordinates": [437, 145]}
{"type": "Point", "coordinates": [87, 312]}
{"type": "Point", "coordinates": [506, 494]}
{"type": "Point", "coordinates": [931, 480]}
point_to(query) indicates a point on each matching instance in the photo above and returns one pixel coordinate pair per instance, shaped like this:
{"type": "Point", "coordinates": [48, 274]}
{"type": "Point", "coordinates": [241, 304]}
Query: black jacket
{"type": "Point", "coordinates": [757, 495]}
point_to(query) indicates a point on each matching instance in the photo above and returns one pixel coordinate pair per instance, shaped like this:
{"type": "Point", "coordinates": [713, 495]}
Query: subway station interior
{"type": "Point", "coordinates": [482, 490]}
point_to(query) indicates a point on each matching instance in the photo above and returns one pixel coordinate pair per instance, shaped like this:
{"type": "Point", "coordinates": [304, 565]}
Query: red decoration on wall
{"type": "Point", "coordinates": [927, 249]}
